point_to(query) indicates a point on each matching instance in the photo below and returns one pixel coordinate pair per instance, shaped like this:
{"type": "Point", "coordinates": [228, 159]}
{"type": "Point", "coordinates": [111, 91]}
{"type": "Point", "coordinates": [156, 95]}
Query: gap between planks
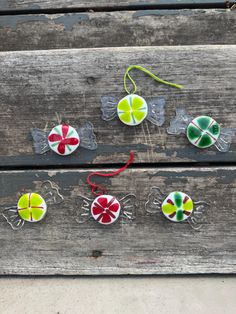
{"type": "Point", "coordinates": [32, 7]}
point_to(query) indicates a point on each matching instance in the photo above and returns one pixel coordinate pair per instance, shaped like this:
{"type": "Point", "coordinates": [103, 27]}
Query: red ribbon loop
{"type": "Point", "coordinates": [103, 190]}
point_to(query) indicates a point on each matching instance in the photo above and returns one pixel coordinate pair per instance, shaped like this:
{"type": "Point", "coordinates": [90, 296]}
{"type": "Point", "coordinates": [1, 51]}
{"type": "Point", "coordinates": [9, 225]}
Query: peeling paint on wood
{"type": "Point", "coordinates": [149, 245]}
{"type": "Point", "coordinates": [67, 20]}
{"type": "Point", "coordinates": [140, 28]}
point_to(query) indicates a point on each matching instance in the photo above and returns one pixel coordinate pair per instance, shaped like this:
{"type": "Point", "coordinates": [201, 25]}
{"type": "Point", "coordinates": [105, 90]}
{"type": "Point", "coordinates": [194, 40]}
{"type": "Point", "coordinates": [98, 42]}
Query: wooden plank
{"type": "Point", "coordinates": [36, 85]}
{"type": "Point", "coordinates": [149, 245]}
{"type": "Point", "coordinates": [139, 28]}
{"type": "Point", "coordinates": [7, 5]}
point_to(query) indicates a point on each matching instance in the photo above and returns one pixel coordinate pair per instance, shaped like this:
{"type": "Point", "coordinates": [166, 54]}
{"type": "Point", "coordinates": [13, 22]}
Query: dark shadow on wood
{"type": "Point", "coordinates": [162, 5]}
{"type": "Point", "coordinates": [103, 167]}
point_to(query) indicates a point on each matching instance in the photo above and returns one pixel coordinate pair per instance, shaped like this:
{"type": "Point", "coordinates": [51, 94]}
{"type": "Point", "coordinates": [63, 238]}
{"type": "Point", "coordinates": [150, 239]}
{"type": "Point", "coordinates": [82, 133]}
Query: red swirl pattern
{"type": "Point", "coordinates": [105, 209]}
{"type": "Point", "coordinates": [63, 139]}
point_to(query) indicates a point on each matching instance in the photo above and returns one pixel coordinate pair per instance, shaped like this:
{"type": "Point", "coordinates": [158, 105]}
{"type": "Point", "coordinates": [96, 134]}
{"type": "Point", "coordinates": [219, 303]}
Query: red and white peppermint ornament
{"type": "Point", "coordinates": [63, 139]}
{"type": "Point", "coordinates": [105, 209]}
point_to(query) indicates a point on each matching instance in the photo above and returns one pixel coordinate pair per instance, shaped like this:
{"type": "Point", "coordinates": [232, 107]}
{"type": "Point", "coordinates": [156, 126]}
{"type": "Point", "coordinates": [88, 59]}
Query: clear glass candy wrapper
{"type": "Point", "coordinates": [177, 207]}
{"type": "Point", "coordinates": [133, 109]}
{"type": "Point", "coordinates": [64, 139]}
{"type": "Point", "coordinates": [106, 209]}
{"type": "Point", "coordinates": [202, 131]}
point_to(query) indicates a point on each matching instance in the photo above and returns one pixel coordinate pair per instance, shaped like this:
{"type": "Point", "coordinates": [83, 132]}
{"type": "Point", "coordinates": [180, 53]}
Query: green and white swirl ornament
{"type": "Point", "coordinates": [133, 109]}
{"type": "Point", "coordinates": [202, 131]}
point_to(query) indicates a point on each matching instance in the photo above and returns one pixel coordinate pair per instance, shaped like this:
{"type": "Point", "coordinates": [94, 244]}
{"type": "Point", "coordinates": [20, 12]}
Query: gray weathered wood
{"type": "Point", "coordinates": [138, 28]}
{"type": "Point", "coordinates": [36, 85]}
{"type": "Point", "coordinates": [149, 245]}
{"type": "Point", "coordinates": [59, 4]}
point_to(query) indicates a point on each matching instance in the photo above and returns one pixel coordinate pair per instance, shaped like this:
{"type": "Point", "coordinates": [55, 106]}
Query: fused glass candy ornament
{"type": "Point", "coordinates": [32, 207]}
{"type": "Point", "coordinates": [202, 131]}
{"type": "Point", "coordinates": [106, 209]}
{"type": "Point", "coordinates": [134, 109]}
{"type": "Point", "coordinates": [64, 139]}
{"type": "Point", "coordinates": [177, 207]}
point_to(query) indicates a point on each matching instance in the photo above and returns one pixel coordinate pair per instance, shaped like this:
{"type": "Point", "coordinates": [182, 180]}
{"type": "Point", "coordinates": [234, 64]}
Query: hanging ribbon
{"type": "Point", "coordinates": [156, 78]}
{"type": "Point", "coordinates": [97, 187]}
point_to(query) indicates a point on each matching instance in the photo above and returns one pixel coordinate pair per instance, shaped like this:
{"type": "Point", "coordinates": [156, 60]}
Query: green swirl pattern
{"type": "Point", "coordinates": [203, 131]}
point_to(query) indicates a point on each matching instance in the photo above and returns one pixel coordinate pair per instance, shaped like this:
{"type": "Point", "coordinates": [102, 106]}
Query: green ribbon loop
{"type": "Point", "coordinates": [156, 78]}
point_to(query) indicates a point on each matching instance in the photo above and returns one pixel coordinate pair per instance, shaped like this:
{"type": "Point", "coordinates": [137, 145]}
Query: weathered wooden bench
{"type": "Point", "coordinates": [187, 42]}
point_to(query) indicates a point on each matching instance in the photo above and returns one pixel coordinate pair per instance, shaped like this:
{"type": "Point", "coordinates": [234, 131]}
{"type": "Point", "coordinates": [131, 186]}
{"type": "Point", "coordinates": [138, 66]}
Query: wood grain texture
{"type": "Point", "coordinates": [60, 4]}
{"type": "Point", "coordinates": [36, 85]}
{"type": "Point", "coordinates": [138, 28]}
{"type": "Point", "coordinates": [149, 245]}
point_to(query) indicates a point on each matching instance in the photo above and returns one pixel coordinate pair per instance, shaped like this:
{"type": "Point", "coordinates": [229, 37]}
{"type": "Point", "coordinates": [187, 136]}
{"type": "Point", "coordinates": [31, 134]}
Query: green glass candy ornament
{"type": "Point", "coordinates": [202, 131]}
{"type": "Point", "coordinates": [134, 109]}
{"type": "Point", "coordinates": [177, 207]}
{"type": "Point", "coordinates": [32, 207]}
